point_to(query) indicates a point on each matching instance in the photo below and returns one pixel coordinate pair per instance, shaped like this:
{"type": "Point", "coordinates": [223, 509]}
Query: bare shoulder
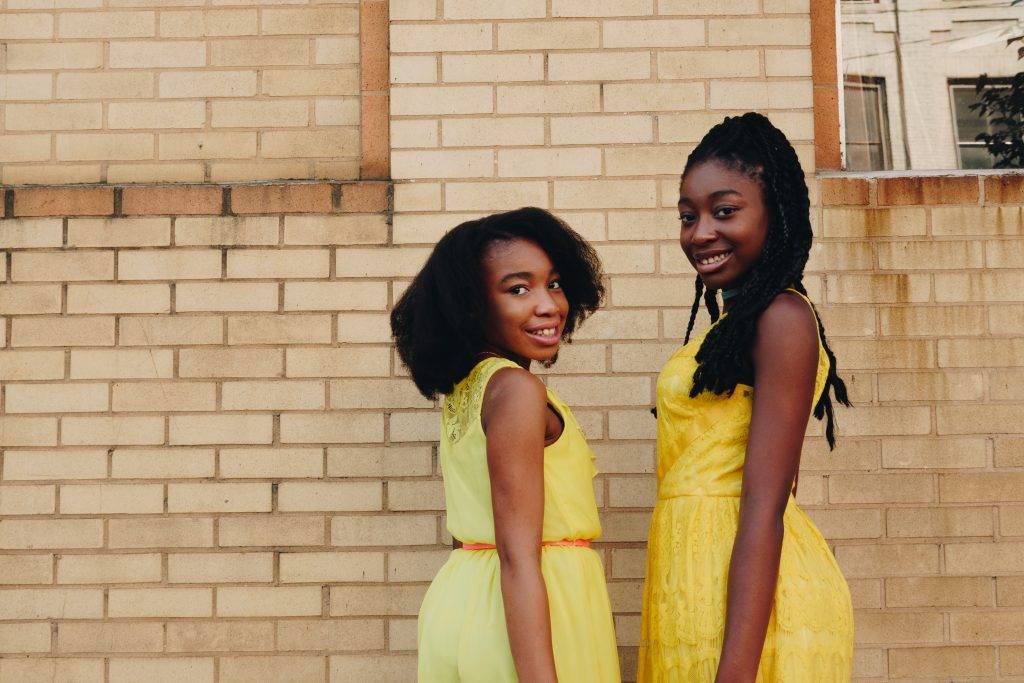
{"type": "Point", "coordinates": [787, 327]}
{"type": "Point", "coordinates": [513, 387]}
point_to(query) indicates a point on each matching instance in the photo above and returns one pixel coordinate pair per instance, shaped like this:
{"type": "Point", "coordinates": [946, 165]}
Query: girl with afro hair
{"type": "Point", "coordinates": [523, 596]}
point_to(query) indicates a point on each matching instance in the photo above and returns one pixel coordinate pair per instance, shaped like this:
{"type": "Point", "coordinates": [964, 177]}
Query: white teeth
{"type": "Point", "coordinates": [547, 332]}
{"type": "Point", "coordinates": [713, 259]}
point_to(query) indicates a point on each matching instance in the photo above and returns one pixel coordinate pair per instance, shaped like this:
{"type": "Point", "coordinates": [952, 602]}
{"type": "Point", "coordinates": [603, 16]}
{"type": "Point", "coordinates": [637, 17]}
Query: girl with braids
{"type": "Point", "coordinates": [522, 596]}
{"type": "Point", "coordinates": [740, 584]}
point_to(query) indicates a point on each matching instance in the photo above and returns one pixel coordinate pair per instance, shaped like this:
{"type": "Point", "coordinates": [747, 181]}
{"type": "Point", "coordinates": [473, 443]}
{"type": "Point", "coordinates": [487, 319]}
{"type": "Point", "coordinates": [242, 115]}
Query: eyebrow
{"type": "Point", "coordinates": [524, 275]}
{"type": "Point", "coordinates": [714, 195]}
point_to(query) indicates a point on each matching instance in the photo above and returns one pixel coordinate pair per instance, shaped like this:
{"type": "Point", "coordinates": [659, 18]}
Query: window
{"type": "Point", "coordinates": [867, 124]}
{"type": "Point", "coordinates": [967, 124]}
{"type": "Point", "coordinates": [906, 80]}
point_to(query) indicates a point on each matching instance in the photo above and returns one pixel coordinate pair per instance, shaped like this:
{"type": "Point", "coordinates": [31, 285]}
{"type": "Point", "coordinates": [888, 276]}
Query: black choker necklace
{"type": "Point", "coordinates": [730, 293]}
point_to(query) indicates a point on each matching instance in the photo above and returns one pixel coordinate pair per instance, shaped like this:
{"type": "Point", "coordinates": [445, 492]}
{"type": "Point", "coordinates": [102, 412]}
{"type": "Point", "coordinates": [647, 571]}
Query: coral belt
{"type": "Point", "coordinates": [579, 542]}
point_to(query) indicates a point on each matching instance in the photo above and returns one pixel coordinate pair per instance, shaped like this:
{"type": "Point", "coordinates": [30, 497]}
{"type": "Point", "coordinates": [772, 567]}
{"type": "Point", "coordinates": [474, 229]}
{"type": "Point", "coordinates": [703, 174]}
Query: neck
{"type": "Point", "coordinates": [729, 296]}
{"type": "Point", "coordinates": [495, 352]}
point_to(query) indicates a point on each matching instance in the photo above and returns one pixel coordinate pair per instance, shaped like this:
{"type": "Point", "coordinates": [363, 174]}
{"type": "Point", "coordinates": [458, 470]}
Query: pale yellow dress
{"type": "Point", "coordinates": [702, 444]}
{"type": "Point", "coordinates": [462, 630]}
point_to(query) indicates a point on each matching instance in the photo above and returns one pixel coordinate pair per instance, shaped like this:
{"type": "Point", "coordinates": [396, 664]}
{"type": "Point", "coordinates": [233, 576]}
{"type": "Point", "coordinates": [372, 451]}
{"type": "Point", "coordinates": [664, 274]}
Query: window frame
{"type": "Point", "coordinates": [885, 140]}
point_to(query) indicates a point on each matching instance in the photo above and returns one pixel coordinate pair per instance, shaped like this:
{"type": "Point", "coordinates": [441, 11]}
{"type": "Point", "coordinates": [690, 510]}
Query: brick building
{"type": "Point", "coordinates": [212, 467]}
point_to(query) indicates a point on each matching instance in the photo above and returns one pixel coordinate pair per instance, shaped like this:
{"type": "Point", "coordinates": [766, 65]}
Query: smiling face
{"type": "Point", "coordinates": [724, 222]}
{"type": "Point", "coordinates": [526, 304]}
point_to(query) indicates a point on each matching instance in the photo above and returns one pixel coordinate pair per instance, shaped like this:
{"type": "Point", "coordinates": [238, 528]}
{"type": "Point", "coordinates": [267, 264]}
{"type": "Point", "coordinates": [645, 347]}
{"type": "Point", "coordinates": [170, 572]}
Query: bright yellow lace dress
{"type": "Point", "coordinates": [462, 631]}
{"type": "Point", "coordinates": [701, 448]}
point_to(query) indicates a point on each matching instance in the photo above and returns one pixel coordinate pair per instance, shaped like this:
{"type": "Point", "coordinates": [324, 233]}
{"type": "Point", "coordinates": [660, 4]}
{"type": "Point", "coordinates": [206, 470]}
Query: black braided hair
{"type": "Point", "coordinates": [751, 145]}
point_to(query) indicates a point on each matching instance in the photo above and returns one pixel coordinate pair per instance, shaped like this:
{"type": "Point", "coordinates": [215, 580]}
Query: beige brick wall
{"type": "Point", "coordinates": [213, 469]}
{"type": "Point", "coordinates": [589, 109]}
{"type": "Point", "coordinates": [179, 91]}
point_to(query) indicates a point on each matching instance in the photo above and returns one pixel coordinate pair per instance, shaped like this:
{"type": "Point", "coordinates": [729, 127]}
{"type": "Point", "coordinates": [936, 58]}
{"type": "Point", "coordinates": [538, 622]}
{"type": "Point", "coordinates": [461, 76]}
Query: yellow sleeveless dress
{"type": "Point", "coordinates": [701, 448]}
{"type": "Point", "coordinates": [462, 631]}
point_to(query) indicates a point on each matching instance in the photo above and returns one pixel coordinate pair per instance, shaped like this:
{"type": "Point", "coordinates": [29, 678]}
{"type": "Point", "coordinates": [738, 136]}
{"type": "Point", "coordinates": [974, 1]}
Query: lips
{"type": "Point", "coordinates": [547, 335]}
{"type": "Point", "coordinates": [711, 261]}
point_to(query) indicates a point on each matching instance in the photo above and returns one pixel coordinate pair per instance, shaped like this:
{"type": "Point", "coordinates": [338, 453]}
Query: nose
{"type": "Point", "coordinates": [704, 233]}
{"type": "Point", "coordinates": [545, 303]}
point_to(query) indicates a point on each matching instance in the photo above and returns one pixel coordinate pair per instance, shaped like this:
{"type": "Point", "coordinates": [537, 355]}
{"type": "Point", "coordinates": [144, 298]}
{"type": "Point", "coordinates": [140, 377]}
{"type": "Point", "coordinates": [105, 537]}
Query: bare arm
{"type": "Point", "coordinates": [785, 356]}
{"type": "Point", "coordinates": [513, 414]}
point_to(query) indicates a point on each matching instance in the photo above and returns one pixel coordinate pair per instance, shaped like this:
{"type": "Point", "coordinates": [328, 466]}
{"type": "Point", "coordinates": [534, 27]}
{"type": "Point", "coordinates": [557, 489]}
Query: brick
{"type": "Point", "coordinates": [939, 591]}
{"type": "Point", "coordinates": [897, 627]}
{"type": "Point", "coordinates": [279, 329]}
{"type": "Point", "coordinates": [271, 462]}
{"type": "Point", "coordinates": [980, 352]}
{"type": "Point", "coordinates": [226, 296]}
{"type": "Point", "coordinates": [104, 146]}
{"type": "Point", "coordinates": [50, 117]}
{"type": "Point", "coordinates": [28, 365]}
{"type": "Point", "coordinates": [442, 100]}
{"type": "Point", "coordinates": [311, 82]}
{"type": "Point", "coordinates": [46, 465]}
{"type": "Point", "coordinates": [163, 396]}
{"type": "Point", "coordinates": [596, 194]}
{"type": "Point", "coordinates": [441, 37]}
{"type": "Point", "coordinates": [929, 522]}
{"type": "Point", "coordinates": [119, 232]}
{"type": "Point", "coordinates": [326, 428]}
{"type": "Point", "coordinates": [930, 321]}
{"type": "Point", "coordinates": [159, 55]}
{"type": "Point", "coordinates": [757, 32]}
{"type": "Point", "coordinates": [335, 230]}
{"type": "Point", "coordinates": [364, 197]}
{"type": "Point", "coordinates": [333, 296]}
{"type": "Point", "coordinates": [368, 667]}
{"type": "Point", "coordinates": [28, 431]}
{"type": "Point", "coordinates": [219, 636]}
{"type": "Point", "coordinates": [27, 500]}
{"type": "Point", "coordinates": [270, 264]}
{"type": "Point", "coordinates": [979, 286]}
{"type": "Point", "coordinates": [26, 534]}
{"type": "Point", "coordinates": [191, 84]}
{"type": "Point", "coordinates": [30, 233]}
{"type": "Point", "coordinates": [25, 147]}
{"type": "Point", "coordinates": [492, 68]}
{"type": "Point", "coordinates": [160, 602]}
{"type": "Point", "coordinates": [889, 560]}
{"type": "Point", "coordinates": [842, 222]}
{"type": "Point", "coordinates": [598, 66]}
{"type": "Point", "coordinates": [207, 145]}
{"type": "Point", "coordinates": [1011, 520]}
{"type": "Point", "coordinates": [123, 568]}
{"type": "Point", "coordinates": [340, 50]}
{"type": "Point", "coordinates": [62, 266]}
{"type": "Point", "coordinates": [178, 463]}
{"type": "Point", "coordinates": [56, 398]}
{"type": "Point", "coordinates": [548, 34]}
{"type": "Point", "coordinates": [881, 488]}
{"type": "Point", "coordinates": [314, 198]}
{"type": "Point", "coordinates": [270, 601]}
{"type": "Point", "coordinates": [548, 99]}
{"type": "Point", "coordinates": [195, 669]}
{"type": "Point", "coordinates": [278, 667]}
{"type": "Point", "coordinates": [490, 196]}
{"type": "Point", "coordinates": [374, 600]}
{"type": "Point", "coordinates": [68, 201]}
{"type": "Point", "coordinates": [317, 20]}
{"type": "Point", "coordinates": [1004, 189]}
{"type": "Point", "coordinates": [258, 114]}
{"type": "Point", "coordinates": [226, 231]}
{"type": "Point", "coordinates": [378, 461]}
{"type": "Point", "coordinates": [274, 530]}
{"type": "Point", "coordinates": [118, 298]}
{"type": "Point", "coordinates": [22, 569]}
{"type": "Point", "coordinates": [279, 395]}
{"type": "Point", "coordinates": [110, 637]}
{"type": "Point", "coordinates": [542, 163]}
{"type": "Point", "coordinates": [984, 558]}
{"type": "Point", "coordinates": [121, 363]}
{"type": "Point", "coordinates": [24, 638]}
{"type": "Point", "coordinates": [168, 532]}
{"type": "Point", "coordinates": [220, 567]}
{"type": "Point", "coordinates": [330, 634]}
{"type": "Point", "coordinates": [51, 603]}
{"type": "Point", "coordinates": [183, 329]}
{"type": "Point", "coordinates": [331, 567]}
{"type": "Point", "coordinates": [259, 52]}
{"type": "Point", "coordinates": [122, 430]}
{"type": "Point", "coordinates": [80, 86]}
{"type": "Point", "coordinates": [213, 362]}
{"type": "Point", "coordinates": [976, 220]}
{"type": "Point", "coordinates": [413, 69]}
{"type": "Point", "coordinates": [1006, 384]}
{"type": "Point", "coordinates": [1003, 254]}
{"type": "Point", "coordinates": [107, 25]}
{"type": "Point", "coordinates": [930, 190]}
{"type": "Point", "coordinates": [373, 530]}
{"type": "Point", "coordinates": [42, 670]}
{"type": "Point", "coordinates": [933, 453]}
{"type": "Point", "coordinates": [287, 144]}
{"type": "Point", "coordinates": [218, 429]}
{"type": "Point", "coordinates": [477, 132]}
{"type": "Point", "coordinates": [601, 8]}
{"type": "Point", "coordinates": [929, 255]}
{"type": "Point", "coordinates": [657, 33]}
{"type": "Point", "coordinates": [195, 199]}
{"type": "Point", "coordinates": [169, 264]}
{"type": "Point", "coordinates": [57, 56]}
{"type": "Point", "coordinates": [978, 419]}
{"type": "Point", "coordinates": [156, 115]}
{"type": "Point", "coordinates": [601, 129]}
{"type": "Point", "coordinates": [878, 288]}
{"type": "Point", "coordinates": [789, 63]}
{"type": "Point", "coordinates": [942, 661]}
{"type": "Point", "coordinates": [980, 487]}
